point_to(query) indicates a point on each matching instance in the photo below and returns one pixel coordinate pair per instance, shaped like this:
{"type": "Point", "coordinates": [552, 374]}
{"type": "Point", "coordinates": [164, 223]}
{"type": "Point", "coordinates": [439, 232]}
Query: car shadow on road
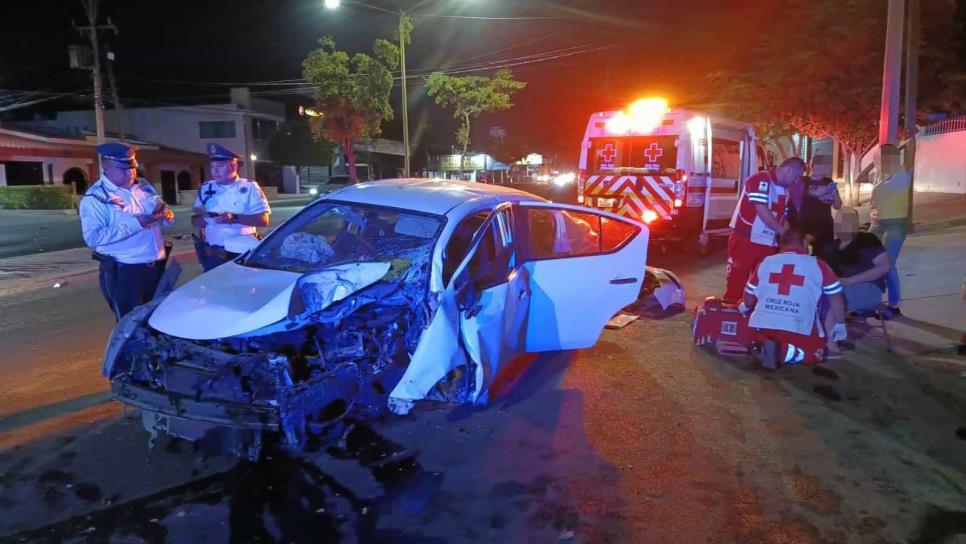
{"type": "Point", "coordinates": [521, 466]}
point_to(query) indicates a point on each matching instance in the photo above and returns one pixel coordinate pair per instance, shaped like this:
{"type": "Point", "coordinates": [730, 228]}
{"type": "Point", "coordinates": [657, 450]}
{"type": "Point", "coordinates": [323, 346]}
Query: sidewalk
{"type": "Point", "coordinates": [277, 199]}
{"type": "Point", "coordinates": [935, 211]}
{"type": "Point", "coordinates": [49, 270]}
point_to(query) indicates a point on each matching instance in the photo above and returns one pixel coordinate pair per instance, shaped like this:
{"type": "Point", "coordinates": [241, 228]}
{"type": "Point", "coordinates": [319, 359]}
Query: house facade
{"type": "Point", "coordinates": [49, 158]}
{"type": "Point", "coordinates": [244, 125]}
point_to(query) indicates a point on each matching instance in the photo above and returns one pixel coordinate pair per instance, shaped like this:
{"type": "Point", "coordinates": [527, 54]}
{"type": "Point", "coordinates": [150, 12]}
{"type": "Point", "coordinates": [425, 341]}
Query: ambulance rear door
{"type": "Point", "coordinates": [728, 148]}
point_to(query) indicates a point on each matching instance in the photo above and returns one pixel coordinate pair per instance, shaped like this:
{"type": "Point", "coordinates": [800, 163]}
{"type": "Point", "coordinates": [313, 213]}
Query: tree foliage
{"type": "Point", "coordinates": [351, 93]}
{"type": "Point", "coordinates": [470, 96]}
{"type": "Point", "coordinates": [818, 70]}
{"type": "Point", "coordinates": [507, 149]}
{"type": "Point", "coordinates": [294, 144]}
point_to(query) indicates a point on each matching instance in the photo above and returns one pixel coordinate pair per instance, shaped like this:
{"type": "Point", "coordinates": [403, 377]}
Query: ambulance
{"type": "Point", "coordinates": [654, 164]}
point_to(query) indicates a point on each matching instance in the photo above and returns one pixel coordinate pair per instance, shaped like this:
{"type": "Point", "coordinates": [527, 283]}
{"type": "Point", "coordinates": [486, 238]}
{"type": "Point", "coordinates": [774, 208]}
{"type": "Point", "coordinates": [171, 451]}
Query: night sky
{"type": "Point", "coordinates": [577, 56]}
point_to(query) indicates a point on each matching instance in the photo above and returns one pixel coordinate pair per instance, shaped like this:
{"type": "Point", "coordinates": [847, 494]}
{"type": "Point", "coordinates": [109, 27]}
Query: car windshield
{"type": "Point", "coordinates": [330, 233]}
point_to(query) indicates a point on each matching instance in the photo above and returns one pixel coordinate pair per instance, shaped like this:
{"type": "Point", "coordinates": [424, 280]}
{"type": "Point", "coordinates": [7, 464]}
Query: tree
{"type": "Point", "coordinates": [294, 144]}
{"type": "Point", "coordinates": [470, 96]}
{"type": "Point", "coordinates": [506, 149]}
{"type": "Point", "coordinates": [817, 71]}
{"type": "Point", "coordinates": [352, 95]}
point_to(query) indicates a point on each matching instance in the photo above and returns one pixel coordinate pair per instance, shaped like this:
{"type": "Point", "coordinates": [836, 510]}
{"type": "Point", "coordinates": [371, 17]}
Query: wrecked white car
{"type": "Point", "coordinates": [374, 296]}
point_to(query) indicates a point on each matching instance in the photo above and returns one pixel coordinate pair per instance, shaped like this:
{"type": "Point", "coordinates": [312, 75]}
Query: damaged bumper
{"type": "Point", "coordinates": [243, 416]}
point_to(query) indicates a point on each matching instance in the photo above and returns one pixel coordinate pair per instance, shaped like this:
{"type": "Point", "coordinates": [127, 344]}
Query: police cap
{"type": "Point", "coordinates": [118, 153]}
{"type": "Point", "coordinates": [217, 152]}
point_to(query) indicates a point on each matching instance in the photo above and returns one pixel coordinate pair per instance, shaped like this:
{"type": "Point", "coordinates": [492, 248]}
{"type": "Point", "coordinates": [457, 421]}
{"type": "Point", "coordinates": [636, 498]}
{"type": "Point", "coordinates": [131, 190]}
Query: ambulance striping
{"type": "Point", "coordinates": [651, 195]}
{"type": "Point", "coordinates": [658, 189]}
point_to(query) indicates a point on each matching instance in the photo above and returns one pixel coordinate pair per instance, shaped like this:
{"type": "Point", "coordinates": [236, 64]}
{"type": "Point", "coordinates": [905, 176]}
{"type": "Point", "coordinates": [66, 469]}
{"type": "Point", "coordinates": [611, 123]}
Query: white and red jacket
{"type": "Point", "coordinates": [788, 287]}
{"type": "Point", "coordinates": [760, 188]}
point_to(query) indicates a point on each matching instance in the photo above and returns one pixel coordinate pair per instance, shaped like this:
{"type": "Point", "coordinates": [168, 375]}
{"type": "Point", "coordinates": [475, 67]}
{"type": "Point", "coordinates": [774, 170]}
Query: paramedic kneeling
{"type": "Point", "coordinates": [783, 295]}
{"type": "Point", "coordinates": [757, 222]}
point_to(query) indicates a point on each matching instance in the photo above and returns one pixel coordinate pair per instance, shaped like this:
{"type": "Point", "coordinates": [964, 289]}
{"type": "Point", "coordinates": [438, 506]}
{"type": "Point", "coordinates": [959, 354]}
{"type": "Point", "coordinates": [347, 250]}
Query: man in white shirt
{"type": "Point", "coordinates": [121, 221]}
{"type": "Point", "coordinates": [226, 206]}
{"type": "Point", "coordinates": [889, 213]}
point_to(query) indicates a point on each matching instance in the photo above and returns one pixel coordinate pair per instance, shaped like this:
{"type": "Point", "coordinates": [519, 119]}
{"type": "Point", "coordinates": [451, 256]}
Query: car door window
{"type": "Point", "coordinates": [459, 243]}
{"type": "Point", "coordinates": [559, 233]}
{"type": "Point", "coordinates": [614, 234]}
{"type": "Point", "coordinates": [495, 256]}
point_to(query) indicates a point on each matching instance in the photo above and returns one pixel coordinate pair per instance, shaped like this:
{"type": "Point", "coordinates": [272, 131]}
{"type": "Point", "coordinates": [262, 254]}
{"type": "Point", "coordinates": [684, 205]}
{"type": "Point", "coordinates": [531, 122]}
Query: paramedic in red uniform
{"type": "Point", "coordinates": [757, 222]}
{"type": "Point", "coordinates": [783, 296]}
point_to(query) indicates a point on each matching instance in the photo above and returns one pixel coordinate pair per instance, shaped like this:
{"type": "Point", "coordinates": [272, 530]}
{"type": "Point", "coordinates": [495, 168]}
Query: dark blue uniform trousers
{"type": "Point", "coordinates": [126, 286]}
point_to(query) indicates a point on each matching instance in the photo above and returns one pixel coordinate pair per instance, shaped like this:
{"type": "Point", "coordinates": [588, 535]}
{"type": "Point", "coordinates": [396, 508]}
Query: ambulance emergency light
{"type": "Point", "coordinates": [642, 117]}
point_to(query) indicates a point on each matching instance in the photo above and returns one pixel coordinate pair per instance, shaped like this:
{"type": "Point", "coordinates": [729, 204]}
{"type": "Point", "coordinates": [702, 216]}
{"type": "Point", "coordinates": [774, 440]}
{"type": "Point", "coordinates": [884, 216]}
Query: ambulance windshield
{"type": "Point", "coordinates": [634, 154]}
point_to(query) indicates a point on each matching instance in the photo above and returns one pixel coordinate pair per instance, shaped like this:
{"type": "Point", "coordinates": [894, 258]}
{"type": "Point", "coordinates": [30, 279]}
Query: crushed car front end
{"type": "Point", "coordinates": [247, 349]}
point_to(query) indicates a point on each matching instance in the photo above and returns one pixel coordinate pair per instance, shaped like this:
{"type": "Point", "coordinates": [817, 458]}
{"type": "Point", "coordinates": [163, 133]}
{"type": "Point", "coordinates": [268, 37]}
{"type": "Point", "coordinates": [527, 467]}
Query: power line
{"type": "Point", "coordinates": [278, 82]}
{"type": "Point", "coordinates": [514, 46]}
{"type": "Point", "coordinates": [484, 18]}
{"type": "Point", "coordinates": [18, 105]}
{"type": "Point", "coordinates": [542, 54]}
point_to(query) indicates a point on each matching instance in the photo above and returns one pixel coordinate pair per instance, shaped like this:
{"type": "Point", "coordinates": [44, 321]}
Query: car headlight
{"type": "Point", "coordinates": [314, 191]}
{"type": "Point", "coordinates": [122, 333]}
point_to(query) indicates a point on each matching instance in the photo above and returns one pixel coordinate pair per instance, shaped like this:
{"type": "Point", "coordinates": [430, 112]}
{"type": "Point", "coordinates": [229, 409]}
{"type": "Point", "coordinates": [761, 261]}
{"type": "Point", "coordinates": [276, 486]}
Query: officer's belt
{"type": "Point", "coordinates": [204, 248]}
{"type": "Point", "coordinates": [111, 261]}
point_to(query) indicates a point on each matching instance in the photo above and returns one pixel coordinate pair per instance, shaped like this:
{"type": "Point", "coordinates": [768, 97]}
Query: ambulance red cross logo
{"type": "Point", "coordinates": [607, 153]}
{"type": "Point", "coordinates": [786, 279]}
{"type": "Point", "coordinates": [653, 152]}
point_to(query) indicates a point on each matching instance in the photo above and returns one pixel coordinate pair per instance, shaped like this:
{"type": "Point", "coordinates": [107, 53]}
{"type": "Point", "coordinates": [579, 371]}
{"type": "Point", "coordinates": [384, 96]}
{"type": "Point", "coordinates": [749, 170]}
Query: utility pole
{"type": "Point", "coordinates": [114, 97]}
{"type": "Point", "coordinates": [891, 72]}
{"type": "Point", "coordinates": [912, 97]}
{"type": "Point", "coordinates": [403, 36]}
{"type": "Point", "coordinates": [90, 7]}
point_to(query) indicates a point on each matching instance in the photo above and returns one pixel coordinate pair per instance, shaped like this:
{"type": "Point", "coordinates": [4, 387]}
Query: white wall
{"type": "Point", "coordinates": [941, 163]}
{"type": "Point", "coordinates": [57, 165]}
{"type": "Point", "coordinates": [177, 127]}
{"type": "Point", "coordinates": [62, 165]}
{"type": "Point", "coordinates": [290, 180]}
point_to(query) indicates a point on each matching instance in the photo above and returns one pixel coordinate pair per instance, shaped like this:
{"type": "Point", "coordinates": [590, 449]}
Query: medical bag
{"type": "Point", "coordinates": [720, 325]}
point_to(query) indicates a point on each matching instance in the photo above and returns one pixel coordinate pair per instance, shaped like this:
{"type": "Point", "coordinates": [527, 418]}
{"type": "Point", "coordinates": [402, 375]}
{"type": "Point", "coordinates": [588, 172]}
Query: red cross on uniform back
{"type": "Point", "coordinates": [653, 152]}
{"type": "Point", "coordinates": [786, 279]}
{"type": "Point", "coordinates": [608, 153]}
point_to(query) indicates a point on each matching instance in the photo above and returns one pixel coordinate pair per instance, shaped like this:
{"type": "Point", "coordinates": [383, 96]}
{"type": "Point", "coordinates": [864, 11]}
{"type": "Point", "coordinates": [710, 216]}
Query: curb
{"type": "Point", "coordinates": [939, 225]}
{"type": "Point", "coordinates": [37, 212]}
{"type": "Point", "coordinates": [293, 200]}
{"type": "Point", "coordinates": [47, 282]}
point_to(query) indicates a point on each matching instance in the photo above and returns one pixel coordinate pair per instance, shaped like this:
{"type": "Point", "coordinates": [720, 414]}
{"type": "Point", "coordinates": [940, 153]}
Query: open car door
{"type": "Point", "coordinates": [584, 266]}
{"type": "Point", "coordinates": [480, 322]}
{"type": "Point", "coordinates": [492, 296]}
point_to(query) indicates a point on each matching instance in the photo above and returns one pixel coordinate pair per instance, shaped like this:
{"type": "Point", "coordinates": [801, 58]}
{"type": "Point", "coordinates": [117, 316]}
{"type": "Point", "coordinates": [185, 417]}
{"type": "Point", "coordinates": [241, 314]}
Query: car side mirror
{"type": "Point", "coordinates": [240, 244]}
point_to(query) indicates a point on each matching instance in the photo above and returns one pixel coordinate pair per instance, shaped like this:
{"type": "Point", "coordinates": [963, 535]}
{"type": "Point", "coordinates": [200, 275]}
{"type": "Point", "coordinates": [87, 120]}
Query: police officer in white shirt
{"type": "Point", "coordinates": [121, 221]}
{"type": "Point", "coordinates": [227, 206]}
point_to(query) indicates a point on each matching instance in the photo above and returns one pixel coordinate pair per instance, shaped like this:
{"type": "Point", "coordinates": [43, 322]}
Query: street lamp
{"type": "Point", "coordinates": [403, 25]}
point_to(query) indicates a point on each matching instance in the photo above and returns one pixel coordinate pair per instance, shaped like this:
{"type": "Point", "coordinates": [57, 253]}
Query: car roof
{"type": "Point", "coordinates": [436, 196]}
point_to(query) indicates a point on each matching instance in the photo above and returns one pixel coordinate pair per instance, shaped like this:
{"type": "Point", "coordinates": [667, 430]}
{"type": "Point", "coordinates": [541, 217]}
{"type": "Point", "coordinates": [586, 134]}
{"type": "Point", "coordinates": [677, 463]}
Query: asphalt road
{"type": "Point", "coordinates": [642, 438]}
{"type": "Point", "coordinates": [27, 233]}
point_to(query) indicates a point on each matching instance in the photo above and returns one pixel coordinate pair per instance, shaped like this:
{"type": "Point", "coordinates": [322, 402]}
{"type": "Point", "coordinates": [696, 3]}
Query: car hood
{"type": "Point", "coordinates": [232, 300]}
{"type": "Point", "coordinates": [227, 301]}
